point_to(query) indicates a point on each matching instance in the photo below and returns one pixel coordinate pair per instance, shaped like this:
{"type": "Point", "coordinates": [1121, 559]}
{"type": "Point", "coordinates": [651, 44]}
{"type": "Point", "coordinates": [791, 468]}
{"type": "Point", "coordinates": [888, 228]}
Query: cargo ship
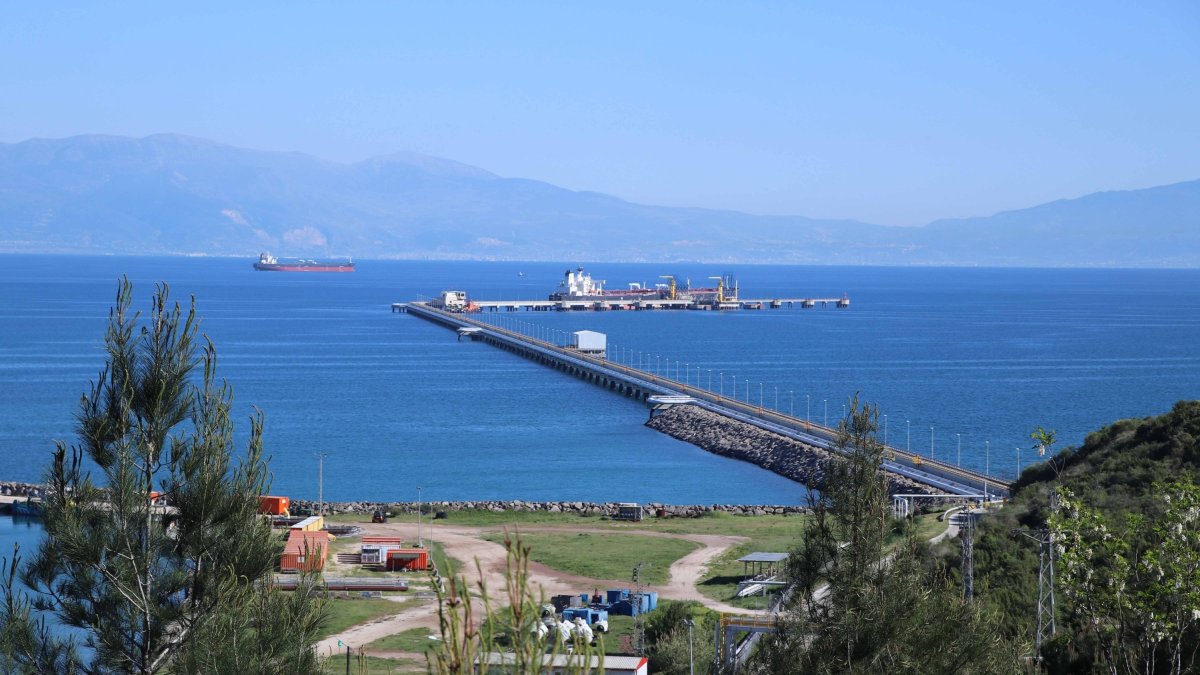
{"type": "Point", "coordinates": [269, 263]}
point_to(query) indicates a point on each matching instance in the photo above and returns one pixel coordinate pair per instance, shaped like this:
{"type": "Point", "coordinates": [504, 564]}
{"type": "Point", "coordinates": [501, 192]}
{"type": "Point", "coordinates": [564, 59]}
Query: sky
{"type": "Point", "coordinates": [892, 113]}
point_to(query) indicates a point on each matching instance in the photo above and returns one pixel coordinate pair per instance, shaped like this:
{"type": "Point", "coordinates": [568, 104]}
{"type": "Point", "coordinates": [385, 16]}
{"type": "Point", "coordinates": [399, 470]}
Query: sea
{"type": "Point", "coordinates": [963, 362]}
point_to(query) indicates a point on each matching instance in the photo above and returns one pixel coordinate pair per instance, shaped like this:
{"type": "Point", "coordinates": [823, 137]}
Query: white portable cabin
{"type": "Point", "coordinates": [589, 342]}
{"type": "Point", "coordinates": [451, 301]}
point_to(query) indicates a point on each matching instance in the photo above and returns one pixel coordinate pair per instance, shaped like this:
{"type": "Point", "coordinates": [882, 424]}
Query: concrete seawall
{"type": "Point", "coordinates": [787, 457]}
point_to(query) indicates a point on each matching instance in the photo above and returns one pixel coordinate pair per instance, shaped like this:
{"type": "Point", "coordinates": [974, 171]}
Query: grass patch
{"type": "Point", "coordinates": [414, 640]}
{"type": "Point", "coordinates": [346, 613]}
{"type": "Point", "coordinates": [370, 665]}
{"type": "Point", "coordinates": [603, 555]}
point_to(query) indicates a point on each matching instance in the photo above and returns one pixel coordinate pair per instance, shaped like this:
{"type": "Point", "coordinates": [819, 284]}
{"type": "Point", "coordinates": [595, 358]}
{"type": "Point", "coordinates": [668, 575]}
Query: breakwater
{"type": "Point", "coordinates": [779, 454]}
{"type": "Point", "coordinates": [649, 509]}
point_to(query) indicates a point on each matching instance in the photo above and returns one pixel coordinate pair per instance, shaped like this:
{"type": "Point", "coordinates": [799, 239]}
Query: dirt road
{"type": "Point", "coordinates": [466, 544]}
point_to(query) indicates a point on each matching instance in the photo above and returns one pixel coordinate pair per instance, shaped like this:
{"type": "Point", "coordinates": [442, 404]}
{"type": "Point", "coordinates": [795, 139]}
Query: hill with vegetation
{"type": "Point", "coordinates": [1118, 486]}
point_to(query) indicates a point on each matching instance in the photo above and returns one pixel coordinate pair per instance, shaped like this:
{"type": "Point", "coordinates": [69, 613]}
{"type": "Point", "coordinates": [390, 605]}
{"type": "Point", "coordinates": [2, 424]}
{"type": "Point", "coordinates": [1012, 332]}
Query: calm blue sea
{"type": "Point", "coordinates": [397, 403]}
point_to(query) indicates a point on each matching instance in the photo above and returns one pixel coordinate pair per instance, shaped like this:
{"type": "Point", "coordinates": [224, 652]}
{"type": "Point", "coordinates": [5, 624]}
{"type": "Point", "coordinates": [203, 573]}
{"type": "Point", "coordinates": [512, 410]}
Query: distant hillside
{"type": "Point", "coordinates": [169, 194]}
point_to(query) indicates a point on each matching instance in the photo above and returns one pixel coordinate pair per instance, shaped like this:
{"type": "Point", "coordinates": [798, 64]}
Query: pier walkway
{"type": "Point", "coordinates": [644, 385]}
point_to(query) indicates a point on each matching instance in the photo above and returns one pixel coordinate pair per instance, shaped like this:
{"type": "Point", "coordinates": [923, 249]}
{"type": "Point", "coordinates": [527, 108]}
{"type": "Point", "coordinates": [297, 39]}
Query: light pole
{"type": "Point", "coordinates": [710, 379]}
{"type": "Point", "coordinates": [690, 623]}
{"type": "Point", "coordinates": [885, 430]}
{"type": "Point", "coordinates": [687, 373]}
{"type": "Point", "coordinates": [777, 399]}
{"type": "Point", "coordinates": [908, 436]}
{"type": "Point", "coordinates": [321, 483]}
{"type": "Point", "coordinates": [419, 542]}
{"type": "Point", "coordinates": [987, 465]}
{"type": "Point", "coordinates": [721, 377]}
{"type": "Point", "coordinates": [791, 403]}
{"type": "Point", "coordinates": [843, 411]}
{"type": "Point", "coordinates": [808, 408]}
{"type": "Point", "coordinates": [1018, 462]}
{"type": "Point", "coordinates": [826, 402]}
{"type": "Point", "coordinates": [930, 442]}
{"type": "Point", "coordinates": [760, 398]}
{"type": "Point", "coordinates": [959, 437]}
{"type": "Point", "coordinates": [734, 378]}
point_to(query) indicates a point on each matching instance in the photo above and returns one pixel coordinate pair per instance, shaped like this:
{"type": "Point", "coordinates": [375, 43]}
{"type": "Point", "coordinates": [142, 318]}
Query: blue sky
{"type": "Point", "coordinates": [897, 113]}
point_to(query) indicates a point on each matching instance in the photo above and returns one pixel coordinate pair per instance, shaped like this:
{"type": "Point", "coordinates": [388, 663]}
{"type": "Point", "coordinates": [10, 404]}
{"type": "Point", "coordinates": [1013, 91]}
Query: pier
{"type": "Point", "coordinates": [584, 305]}
{"type": "Point", "coordinates": [659, 391]}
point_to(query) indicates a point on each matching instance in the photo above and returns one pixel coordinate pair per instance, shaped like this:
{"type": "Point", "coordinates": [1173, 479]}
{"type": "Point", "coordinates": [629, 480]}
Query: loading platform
{"type": "Point", "coordinates": [657, 390]}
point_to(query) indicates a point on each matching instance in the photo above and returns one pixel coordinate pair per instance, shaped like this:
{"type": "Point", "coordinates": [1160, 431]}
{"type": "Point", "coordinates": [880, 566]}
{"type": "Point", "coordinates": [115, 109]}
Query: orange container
{"type": "Point", "coordinates": [273, 506]}
{"type": "Point", "coordinates": [412, 559]}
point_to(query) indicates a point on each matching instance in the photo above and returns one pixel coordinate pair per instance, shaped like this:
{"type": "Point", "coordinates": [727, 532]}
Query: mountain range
{"type": "Point", "coordinates": [176, 195]}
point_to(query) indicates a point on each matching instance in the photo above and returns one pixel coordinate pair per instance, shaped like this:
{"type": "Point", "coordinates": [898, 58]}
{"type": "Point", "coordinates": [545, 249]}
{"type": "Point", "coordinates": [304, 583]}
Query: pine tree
{"type": "Point", "coordinates": [153, 588]}
{"type": "Point", "coordinates": [861, 605]}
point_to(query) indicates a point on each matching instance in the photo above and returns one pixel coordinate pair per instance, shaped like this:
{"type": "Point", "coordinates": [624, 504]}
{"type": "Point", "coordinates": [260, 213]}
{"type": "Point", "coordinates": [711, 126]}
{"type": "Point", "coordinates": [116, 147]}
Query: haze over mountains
{"type": "Point", "coordinates": [169, 194]}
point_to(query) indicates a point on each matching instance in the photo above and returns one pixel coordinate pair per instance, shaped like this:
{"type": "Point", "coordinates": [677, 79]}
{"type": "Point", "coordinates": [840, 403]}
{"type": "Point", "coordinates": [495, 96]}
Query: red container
{"type": "Point", "coordinates": [304, 552]}
{"type": "Point", "coordinates": [409, 559]}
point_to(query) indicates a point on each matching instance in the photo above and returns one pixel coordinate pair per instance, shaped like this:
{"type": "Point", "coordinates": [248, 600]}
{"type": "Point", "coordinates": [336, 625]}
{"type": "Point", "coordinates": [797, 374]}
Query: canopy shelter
{"type": "Point", "coordinates": [764, 565]}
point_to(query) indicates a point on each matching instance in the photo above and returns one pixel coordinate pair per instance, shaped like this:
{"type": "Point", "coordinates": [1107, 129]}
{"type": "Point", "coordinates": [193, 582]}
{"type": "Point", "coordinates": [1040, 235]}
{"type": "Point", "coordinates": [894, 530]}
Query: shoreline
{"type": "Point", "coordinates": [13, 490]}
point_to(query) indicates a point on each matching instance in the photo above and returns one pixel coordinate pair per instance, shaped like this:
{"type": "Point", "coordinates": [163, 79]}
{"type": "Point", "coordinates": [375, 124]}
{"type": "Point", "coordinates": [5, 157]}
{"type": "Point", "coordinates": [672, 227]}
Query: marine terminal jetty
{"type": "Point", "coordinates": [797, 447]}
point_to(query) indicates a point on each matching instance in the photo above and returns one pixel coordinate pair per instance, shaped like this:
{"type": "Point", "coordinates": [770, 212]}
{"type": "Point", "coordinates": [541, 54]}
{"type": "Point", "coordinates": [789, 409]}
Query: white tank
{"type": "Point", "coordinates": [583, 630]}
{"type": "Point", "coordinates": [600, 626]}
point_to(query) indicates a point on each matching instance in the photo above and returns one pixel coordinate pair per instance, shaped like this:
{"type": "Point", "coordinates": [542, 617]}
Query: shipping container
{"type": "Point", "coordinates": [414, 559]}
{"type": "Point", "coordinates": [273, 506]}
{"type": "Point", "coordinates": [304, 552]}
{"type": "Point", "coordinates": [310, 524]}
{"type": "Point", "coordinates": [376, 554]}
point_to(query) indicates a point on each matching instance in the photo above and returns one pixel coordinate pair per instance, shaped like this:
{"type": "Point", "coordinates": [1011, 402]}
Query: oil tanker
{"type": "Point", "coordinates": [269, 263]}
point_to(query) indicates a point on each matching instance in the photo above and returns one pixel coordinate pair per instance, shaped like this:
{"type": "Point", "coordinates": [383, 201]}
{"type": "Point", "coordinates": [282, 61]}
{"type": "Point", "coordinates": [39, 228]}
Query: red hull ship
{"type": "Point", "coordinates": [269, 263]}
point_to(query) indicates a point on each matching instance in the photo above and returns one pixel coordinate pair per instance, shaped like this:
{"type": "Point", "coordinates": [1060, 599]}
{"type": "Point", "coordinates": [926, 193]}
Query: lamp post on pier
{"type": "Point", "coordinates": [721, 377]}
{"type": "Point", "coordinates": [776, 399]}
{"type": "Point", "coordinates": [808, 408]}
{"type": "Point", "coordinates": [908, 436]}
{"type": "Point", "coordinates": [826, 402]}
{"type": "Point", "coordinates": [987, 465]}
{"type": "Point", "coordinates": [930, 442]}
{"type": "Point", "coordinates": [885, 430]}
{"type": "Point", "coordinates": [959, 437]}
{"type": "Point", "coordinates": [1018, 462]}
{"type": "Point", "coordinates": [791, 403]}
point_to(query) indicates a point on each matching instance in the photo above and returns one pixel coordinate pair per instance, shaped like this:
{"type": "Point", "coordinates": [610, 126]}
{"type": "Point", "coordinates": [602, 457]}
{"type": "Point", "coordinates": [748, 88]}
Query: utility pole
{"type": "Point", "coordinates": [1045, 603]}
{"type": "Point", "coordinates": [967, 535]}
{"type": "Point", "coordinates": [640, 622]}
{"type": "Point", "coordinates": [321, 483]}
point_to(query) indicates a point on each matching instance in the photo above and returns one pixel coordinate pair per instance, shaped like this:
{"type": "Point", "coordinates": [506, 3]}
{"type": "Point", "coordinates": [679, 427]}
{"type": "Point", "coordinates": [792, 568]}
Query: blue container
{"type": "Point", "coordinates": [643, 603]}
{"type": "Point", "coordinates": [584, 597]}
{"type": "Point", "coordinates": [614, 595]}
{"type": "Point", "coordinates": [624, 608]}
{"type": "Point", "coordinates": [653, 600]}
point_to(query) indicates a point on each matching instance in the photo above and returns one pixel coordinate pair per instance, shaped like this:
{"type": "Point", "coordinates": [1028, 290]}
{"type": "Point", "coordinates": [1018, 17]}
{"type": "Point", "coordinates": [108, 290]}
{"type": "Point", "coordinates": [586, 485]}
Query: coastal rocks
{"type": "Point", "coordinates": [12, 489]}
{"type": "Point", "coordinates": [731, 438]}
{"type": "Point", "coordinates": [610, 509]}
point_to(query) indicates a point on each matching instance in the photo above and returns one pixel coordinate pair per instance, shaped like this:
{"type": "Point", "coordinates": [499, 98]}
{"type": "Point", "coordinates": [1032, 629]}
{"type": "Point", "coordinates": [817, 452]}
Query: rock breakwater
{"type": "Point", "coordinates": [731, 438]}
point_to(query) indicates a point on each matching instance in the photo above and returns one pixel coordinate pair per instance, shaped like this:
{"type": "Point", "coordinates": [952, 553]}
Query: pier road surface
{"type": "Point", "coordinates": [644, 385]}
